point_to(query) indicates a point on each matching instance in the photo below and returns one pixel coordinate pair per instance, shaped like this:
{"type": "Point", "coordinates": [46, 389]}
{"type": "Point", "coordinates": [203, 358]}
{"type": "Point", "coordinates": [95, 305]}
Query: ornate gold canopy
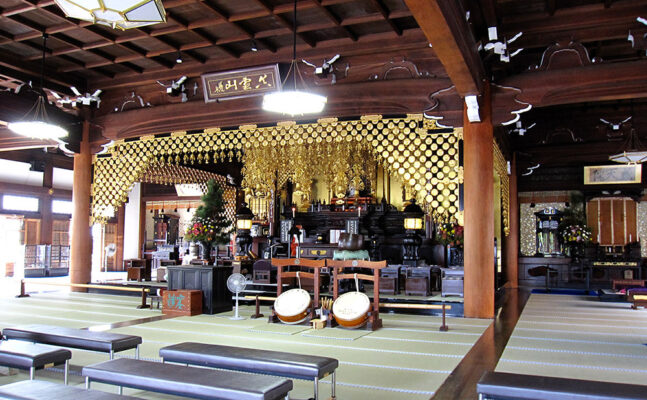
{"type": "Point", "coordinates": [424, 157]}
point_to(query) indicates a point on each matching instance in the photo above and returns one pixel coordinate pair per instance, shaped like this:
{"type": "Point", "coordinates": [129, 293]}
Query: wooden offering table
{"type": "Point", "coordinates": [211, 280]}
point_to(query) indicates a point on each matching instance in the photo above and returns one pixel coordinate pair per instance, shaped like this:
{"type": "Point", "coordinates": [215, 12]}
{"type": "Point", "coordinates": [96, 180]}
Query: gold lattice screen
{"type": "Point", "coordinates": [425, 158]}
{"type": "Point", "coordinates": [501, 169]}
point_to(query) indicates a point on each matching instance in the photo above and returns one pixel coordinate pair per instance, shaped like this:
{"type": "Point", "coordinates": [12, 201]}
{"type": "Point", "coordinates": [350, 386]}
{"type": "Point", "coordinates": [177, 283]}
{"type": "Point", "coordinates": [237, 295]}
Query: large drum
{"type": "Point", "coordinates": [291, 307]}
{"type": "Point", "coordinates": [351, 309]}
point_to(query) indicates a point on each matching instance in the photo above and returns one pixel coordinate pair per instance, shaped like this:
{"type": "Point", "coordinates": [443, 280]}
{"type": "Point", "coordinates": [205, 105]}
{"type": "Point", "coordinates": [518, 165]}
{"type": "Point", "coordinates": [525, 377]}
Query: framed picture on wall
{"type": "Point", "coordinates": [614, 174]}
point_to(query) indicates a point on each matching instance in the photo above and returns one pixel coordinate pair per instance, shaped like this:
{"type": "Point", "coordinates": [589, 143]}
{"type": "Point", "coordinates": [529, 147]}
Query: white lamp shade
{"type": "Point", "coordinates": [629, 157]}
{"type": "Point", "coordinates": [37, 129]}
{"type": "Point", "coordinates": [413, 223]}
{"type": "Point", "coordinates": [293, 102]}
{"type": "Point", "coordinates": [123, 14]}
{"type": "Point", "coordinates": [244, 224]}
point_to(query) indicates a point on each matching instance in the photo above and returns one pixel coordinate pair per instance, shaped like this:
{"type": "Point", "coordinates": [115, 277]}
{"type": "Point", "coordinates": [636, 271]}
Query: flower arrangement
{"type": "Point", "coordinates": [200, 230]}
{"type": "Point", "coordinates": [576, 234]}
{"type": "Point", "coordinates": [450, 233]}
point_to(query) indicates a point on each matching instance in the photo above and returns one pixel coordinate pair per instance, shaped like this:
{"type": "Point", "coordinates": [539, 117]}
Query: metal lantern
{"type": "Point", "coordinates": [413, 222]}
{"type": "Point", "coordinates": [244, 218]}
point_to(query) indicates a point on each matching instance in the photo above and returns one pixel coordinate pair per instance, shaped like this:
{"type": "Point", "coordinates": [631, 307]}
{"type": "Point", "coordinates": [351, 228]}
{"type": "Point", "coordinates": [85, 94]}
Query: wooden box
{"type": "Point", "coordinates": [388, 285]}
{"type": "Point", "coordinates": [182, 302]}
{"type": "Point", "coordinates": [416, 286]}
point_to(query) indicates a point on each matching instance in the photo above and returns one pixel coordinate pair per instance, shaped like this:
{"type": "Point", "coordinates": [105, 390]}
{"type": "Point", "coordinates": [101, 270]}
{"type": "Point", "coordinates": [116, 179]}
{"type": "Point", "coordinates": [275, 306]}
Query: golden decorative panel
{"type": "Point", "coordinates": [641, 217]}
{"type": "Point", "coordinates": [528, 226]}
{"type": "Point", "coordinates": [501, 169]}
{"type": "Point", "coordinates": [424, 158]}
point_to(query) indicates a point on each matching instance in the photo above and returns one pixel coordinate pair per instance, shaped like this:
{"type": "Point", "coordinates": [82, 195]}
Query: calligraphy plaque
{"type": "Point", "coordinates": [238, 83]}
{"type": "Point", "coordinates": [612, 174]}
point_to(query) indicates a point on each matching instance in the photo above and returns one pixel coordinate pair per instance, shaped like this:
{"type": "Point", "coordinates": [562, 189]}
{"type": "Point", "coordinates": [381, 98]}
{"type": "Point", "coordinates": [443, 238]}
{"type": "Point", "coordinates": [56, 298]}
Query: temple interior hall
{"type": "Point", "coordinates": [323, 199]}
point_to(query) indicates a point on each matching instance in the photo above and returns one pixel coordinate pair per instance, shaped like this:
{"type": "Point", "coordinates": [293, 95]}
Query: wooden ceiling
{"type": "Point", "coordinates": [386, 65]}
{"type": "Point", "coordinates": [81, 53]}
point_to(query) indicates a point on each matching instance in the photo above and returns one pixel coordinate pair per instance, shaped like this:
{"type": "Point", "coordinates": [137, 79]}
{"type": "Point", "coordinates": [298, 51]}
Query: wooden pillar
{"type": "Point", "coordinates": [479, 211]}
{"type": "Point", "coordinates": [142, 224]}
{"type": "Point", "coordinates": [119, 253]}
{"type": "Point", "coordinates": [81, 237]}
{"type": "Point", "coordinates": [46, 219]}
{"type": "Point", "coordinates": [512, 240]}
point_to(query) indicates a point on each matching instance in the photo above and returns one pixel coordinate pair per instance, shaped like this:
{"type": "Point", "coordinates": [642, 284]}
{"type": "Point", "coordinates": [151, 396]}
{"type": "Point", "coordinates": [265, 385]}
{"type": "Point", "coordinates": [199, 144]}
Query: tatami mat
{"type": "Point", "coordinates": [578, 337]}
{"type": "Point", "coordinates": [407, 359]}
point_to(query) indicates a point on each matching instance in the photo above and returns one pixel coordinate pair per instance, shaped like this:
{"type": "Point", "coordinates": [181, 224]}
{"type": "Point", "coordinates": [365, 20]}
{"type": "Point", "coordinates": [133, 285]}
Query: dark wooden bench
{"type": "Point", "coordinates": [39, 390]}
{"type": "Point", "coordinates": [104, 342]}
{"type": "Point", "coordinates": [179, 380]}
{"type": "Point", "coordinates": [289, 365]}
{"type": "Point", "coordinates": [506, 386]}
{"type": "Point", "coordinates": [31, 356]}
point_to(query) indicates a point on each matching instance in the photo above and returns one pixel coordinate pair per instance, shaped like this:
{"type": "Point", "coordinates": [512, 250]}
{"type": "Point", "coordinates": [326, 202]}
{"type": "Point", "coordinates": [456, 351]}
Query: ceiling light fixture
{"type": "Point", "coordinates": [35, 123]}
{"type": "Point", "coordinates": [254, 46]}
{"type": "Point", "coordinates": [178, 59]}
{"type": "Point", "coordinates": [294, 102]}
{"type": "Point", "coordinates": [634, 152]}
{"type": "Point", "coordinates": [121, 14]}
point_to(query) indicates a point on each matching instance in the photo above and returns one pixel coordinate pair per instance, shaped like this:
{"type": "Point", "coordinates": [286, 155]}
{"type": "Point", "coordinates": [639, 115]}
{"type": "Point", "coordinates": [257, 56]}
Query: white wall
{"type": "Point", "coordinates": [131, 223]}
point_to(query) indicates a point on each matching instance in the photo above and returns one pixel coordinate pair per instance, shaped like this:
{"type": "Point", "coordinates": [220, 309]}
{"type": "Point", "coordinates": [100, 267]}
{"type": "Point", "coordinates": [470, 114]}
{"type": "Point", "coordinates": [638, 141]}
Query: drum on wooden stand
{"type": "Point", "coordinates": [291, 307]}
{"type": "Point", "coordinates": [351, 309]}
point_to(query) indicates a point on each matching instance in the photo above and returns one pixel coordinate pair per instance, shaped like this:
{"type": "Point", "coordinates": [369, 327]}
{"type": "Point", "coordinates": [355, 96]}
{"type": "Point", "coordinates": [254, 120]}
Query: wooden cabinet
{"type": "Point", "coordinates": [612, 221]}
{"type": "Point", "coordinates": [211, 280]}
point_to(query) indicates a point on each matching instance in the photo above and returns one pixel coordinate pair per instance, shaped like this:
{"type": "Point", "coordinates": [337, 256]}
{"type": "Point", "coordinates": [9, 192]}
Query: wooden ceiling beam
{"type": "Point", "coordinates": [489, 11]}
{"type": "Point", "coordinates": [411, 39]}
{"type": "Point", "coordinates": [335, 20]}
{"type": "Point", "coordinates": [444, 24]}
{"type": "Point", "coordinates": [590, 83]}
{"type": "Point", "coordinates": [385, 15]}
{"type": "Point", "coordinates": [584, 24]}
{"type": "Point", "coordinates": [285, 22]}
{"type": "Point", "coordinates": [203, 36]}
{"type": "Point", "coordinates": [225, 18]}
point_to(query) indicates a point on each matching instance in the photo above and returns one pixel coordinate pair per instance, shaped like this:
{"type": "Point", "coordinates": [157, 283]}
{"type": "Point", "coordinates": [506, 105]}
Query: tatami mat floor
{"type": "Point", "coordinates": [578, 337]}
{"type": "Point", "coordinates": [407, 359]}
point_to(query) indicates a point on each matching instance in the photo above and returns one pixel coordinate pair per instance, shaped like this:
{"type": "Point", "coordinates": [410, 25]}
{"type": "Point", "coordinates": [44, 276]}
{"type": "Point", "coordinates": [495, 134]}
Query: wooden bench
{"type": "Point", "coordinates": [39, 390]}
{"type": "Point", "coordinates": [104, 342]}
{"type": "Point", "coordinates": [289, 365]}
{"type": "Point", "coordinates": [31, 356]}
{"type": "Point", "coordinates": [179, 380]}
{"type": "Point", "coordinates": [506, 386]}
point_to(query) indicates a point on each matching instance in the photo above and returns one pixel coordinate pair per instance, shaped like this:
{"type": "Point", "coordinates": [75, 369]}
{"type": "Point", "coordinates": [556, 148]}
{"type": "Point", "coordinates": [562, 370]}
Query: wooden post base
{"type": "Point", "coordinates": [443, 327]}
{"type": "Point", "coordinates": [374, 322]}
{"type": "Point", "coordinates": [22, 289]}
{"type": "Point", "coordinates": [144, 301]}
{"type": "Point", "coordinates": [258, 309]}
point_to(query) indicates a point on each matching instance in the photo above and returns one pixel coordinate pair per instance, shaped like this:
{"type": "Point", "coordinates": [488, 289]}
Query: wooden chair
{"type": "Point", "coordinates": [338, 266]}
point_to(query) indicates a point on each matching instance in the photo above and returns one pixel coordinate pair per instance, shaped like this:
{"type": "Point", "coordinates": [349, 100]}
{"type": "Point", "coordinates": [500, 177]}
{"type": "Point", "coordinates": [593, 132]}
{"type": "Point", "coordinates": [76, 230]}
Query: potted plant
{"type": "Point", "coordinates": [210, 225]}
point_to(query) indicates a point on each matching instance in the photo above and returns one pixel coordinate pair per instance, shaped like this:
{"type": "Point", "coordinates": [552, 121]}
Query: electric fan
{"type": "Point", "coordinates": [236, 284]}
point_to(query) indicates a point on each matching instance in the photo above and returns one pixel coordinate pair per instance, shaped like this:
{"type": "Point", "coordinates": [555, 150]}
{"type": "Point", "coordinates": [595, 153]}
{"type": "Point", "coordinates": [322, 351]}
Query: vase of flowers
{"type": "Point", "coordinates": [574, 237]}
{"type": "Point", "coordinates": [201, 230]}
{"type": "Point", "coordinates": [451, 235]}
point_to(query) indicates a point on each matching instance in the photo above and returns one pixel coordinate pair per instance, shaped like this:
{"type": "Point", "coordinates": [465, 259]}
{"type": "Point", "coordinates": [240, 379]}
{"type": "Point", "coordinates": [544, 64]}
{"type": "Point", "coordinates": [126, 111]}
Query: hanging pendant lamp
{"type": "Point", "coordinates": [120, 14]}
{"type": "Point", "coordinates": [294, 102]}
{"type": "Point", "coordinates": [35, 123]}
{"type": "Point", "coordinates": [634, 152]}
